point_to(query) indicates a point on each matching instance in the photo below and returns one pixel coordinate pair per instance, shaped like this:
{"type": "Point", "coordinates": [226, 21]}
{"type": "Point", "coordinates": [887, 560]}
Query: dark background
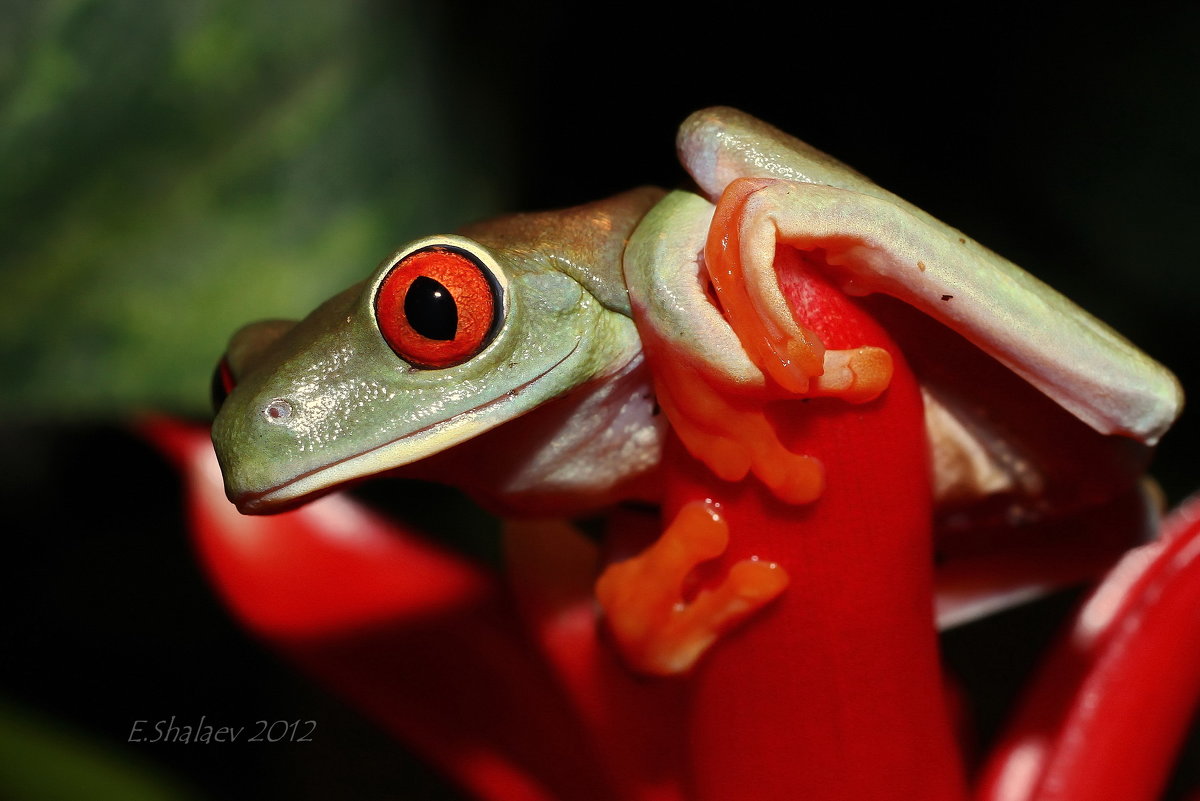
{"type": "Point", "coordinates": [170, 173]}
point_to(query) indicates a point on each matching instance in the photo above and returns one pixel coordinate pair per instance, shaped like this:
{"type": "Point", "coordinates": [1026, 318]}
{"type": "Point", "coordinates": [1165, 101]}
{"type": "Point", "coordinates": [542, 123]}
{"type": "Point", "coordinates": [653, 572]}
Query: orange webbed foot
{"type": "Point", "coordinates": [656, 629]}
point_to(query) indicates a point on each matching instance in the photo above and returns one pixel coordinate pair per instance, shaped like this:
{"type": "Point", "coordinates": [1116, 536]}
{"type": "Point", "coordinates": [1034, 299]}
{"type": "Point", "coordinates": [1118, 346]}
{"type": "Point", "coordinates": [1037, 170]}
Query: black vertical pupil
{"type": "Point", "coordinates": [430, 309]}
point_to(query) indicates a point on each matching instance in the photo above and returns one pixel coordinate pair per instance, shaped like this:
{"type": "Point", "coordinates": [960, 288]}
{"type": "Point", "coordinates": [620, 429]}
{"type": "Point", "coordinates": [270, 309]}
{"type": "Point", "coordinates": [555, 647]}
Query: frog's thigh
{"type": "Point", "coordinates": [872, 244]}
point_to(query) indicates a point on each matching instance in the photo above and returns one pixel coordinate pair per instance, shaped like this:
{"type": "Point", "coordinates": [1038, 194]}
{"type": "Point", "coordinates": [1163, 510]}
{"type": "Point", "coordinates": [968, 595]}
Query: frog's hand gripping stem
{"type": "Point", "coordinates": [717, 369]}
{"type": "Point", "coordinates": [873, 241]}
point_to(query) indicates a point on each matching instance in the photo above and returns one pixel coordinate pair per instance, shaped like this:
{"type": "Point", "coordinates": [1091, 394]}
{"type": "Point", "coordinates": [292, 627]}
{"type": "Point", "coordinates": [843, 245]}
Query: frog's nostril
{"type": "Point", "coordinates": [277, 411]}
{"type": "Point", "coordinates": [222, 384]}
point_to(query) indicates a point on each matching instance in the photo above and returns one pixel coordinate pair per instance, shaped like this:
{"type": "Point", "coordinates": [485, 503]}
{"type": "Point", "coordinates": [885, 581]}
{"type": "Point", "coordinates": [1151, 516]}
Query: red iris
{"type": "Point", "coordinates": [437, 307]}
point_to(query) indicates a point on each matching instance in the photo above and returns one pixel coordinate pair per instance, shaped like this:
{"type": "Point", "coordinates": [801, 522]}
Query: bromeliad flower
{"type": "Point", "coordinates": [821, 452]}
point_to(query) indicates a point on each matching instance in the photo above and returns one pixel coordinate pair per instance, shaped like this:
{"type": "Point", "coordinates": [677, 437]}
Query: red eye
{"type": "Point", "coordinates": [222, 384]}
{"type": "Point", "coordinates": [437, 307]}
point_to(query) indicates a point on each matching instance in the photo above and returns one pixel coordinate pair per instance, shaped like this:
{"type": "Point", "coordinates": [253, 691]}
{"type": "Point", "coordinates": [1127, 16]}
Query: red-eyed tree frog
{"type": "Point", "coordinates": [510, 358]}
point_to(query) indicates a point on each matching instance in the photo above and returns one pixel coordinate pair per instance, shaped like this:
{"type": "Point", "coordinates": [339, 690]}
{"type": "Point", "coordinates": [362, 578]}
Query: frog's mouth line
{"type": "Point", "coordinates": [410, 447]}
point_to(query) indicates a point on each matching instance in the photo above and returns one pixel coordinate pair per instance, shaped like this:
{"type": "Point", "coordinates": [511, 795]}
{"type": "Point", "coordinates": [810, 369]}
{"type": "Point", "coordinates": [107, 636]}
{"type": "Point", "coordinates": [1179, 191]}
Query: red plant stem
{"type": "Point", "coordinates": [834, 691]}
{"type": "Point", "coordinates": [1110, 707]}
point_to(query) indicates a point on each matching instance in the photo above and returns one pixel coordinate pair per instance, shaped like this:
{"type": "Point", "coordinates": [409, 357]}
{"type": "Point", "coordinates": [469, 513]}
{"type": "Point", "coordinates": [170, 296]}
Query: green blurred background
{"type": "Point", "coordinates": [170, 171]}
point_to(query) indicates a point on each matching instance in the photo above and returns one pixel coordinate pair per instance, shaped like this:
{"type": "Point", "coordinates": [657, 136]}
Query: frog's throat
{"type": "Point", "coordinates": [402, 450]}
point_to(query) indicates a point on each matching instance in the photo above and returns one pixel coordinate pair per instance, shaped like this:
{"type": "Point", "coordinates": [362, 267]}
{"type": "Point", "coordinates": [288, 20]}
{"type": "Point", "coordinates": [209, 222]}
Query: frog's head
{"type": "Point", "coordinates": [452, 336]}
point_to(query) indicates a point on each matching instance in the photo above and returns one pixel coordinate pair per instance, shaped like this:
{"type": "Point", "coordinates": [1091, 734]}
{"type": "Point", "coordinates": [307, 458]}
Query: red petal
{"type": "Point", "coordinates": [1111, 705]}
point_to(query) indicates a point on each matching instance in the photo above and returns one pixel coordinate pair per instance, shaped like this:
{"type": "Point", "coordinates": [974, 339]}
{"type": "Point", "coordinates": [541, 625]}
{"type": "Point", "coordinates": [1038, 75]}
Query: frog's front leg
{"type": "Point", "coordinates": [720, 360]}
